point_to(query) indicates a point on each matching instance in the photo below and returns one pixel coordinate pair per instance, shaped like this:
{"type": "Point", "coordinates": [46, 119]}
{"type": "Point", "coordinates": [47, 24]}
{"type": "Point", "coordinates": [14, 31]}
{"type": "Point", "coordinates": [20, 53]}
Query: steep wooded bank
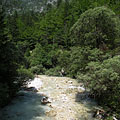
{"type": "Point", "coordinates": [76, 38]}
{"type": "Point", "coordinates": [12, 74]}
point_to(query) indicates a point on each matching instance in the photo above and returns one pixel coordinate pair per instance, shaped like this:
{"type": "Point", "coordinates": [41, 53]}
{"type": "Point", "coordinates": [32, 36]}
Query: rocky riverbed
{"type": "Point", "coordinates": [68, 101]}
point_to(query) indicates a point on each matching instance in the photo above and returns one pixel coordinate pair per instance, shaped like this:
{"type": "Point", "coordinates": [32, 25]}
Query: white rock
{"type": "Point", "coordinates": [70, 82]}
{"type": "Point", "coordinates": [37, 83]}
{"type": "Point", "coordinates": [81, 88]}
{"type": "Point", "coordinates": [114, 118]}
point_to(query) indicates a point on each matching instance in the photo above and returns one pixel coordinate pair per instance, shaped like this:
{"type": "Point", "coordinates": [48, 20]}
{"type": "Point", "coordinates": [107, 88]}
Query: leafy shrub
{"type": "Point", "coordinates": [38, 56]}
{"type": "Point", "coordinates": [24, 75]}
{"type": "Point", "coordinates": [103, 79]}
{"type": "Point", "coordinates": [53, 71]}
{"type": "Point", "coordinates": [45, 56]}
{"type": "Point", "coordinates": [39, 69]}
{"type": "Point", "coordinates": [64, 59]}
{"type": "Point", "coordinates": [76, 59]}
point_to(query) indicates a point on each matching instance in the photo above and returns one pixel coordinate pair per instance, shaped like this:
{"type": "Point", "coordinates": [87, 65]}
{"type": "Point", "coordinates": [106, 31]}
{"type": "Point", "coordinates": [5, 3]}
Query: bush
{"type": "Point", "coordinates": [39, 69]}
{"type": "Point", "coordinates": [54, 71]}
{"type": "Point", "coordinates": [103, 79]}
{"type": "Point", "coordinates": [76, 59]}
{"type": "Point", "coordinates": [64, 59]}
{"type": "Point", "coordinates": [45, 56]}
{"type": "Point", "coordinates": [24, 76]}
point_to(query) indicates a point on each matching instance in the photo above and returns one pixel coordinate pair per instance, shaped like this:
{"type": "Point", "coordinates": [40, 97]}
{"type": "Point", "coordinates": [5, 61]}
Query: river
{"type": "Point", "coordinates": [68, 101]}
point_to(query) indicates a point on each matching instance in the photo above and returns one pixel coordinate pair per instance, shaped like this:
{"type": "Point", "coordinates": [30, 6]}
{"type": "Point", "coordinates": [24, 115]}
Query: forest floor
{"type": "Point", "coordinates": [68, 101]}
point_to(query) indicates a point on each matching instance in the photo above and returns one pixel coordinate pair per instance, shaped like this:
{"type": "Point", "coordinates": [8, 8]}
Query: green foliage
{"type": "Point", "coordinates": [13, 27]}
{"type": "Point", "coordinates": [79, 59]}
{"type": "Point", "coordinates": [75, 60]}
{"type": "Point", "coordinates": [63, 58]}
{"type": "Point", "coordinates": [10, 79]}
{"type": "Point", "coordinates": [73, 38]}
{"type": "Point", "coordinates": [24, 75]}
{"type": "Point", "coordinates": [40, 55]}
{"type": "Point", "coordinates": [8, 62]}
{"type": "Point", "coordinates": [96, 27]}
{"type": "Point", "coordinates": [43, 58]}
{"type": "Point", "coordinates": [103, 80]}
{"type": "Point", "coordinates": [39, 69]}
{"type": "Point", "coordinates": [54, 71]}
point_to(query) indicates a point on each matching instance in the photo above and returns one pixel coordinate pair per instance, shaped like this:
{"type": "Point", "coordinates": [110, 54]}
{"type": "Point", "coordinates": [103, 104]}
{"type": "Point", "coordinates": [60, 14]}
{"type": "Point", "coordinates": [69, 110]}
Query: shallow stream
{"type": "Point", "coordinates": [68, 101]}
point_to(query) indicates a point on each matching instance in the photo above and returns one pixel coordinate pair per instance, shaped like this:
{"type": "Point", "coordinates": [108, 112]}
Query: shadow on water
{"type": "Point", "coordinates": [90, 104]}
{"type": "Point", "coordinates": [26, 106]}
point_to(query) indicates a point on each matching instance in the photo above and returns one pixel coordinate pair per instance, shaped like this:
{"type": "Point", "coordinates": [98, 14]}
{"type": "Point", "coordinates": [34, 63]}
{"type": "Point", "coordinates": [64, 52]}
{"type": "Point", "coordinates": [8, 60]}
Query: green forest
{"type": "Point", "coordinates": [74, 38]}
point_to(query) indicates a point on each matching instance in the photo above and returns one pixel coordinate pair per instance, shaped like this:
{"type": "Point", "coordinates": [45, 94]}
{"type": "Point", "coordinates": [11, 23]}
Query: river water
{"type": "Point", "coordinates": [68, 101]}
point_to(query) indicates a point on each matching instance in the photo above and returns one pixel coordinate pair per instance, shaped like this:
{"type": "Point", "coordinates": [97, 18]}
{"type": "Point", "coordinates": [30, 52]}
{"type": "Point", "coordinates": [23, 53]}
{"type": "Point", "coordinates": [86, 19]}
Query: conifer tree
{"type": "Point", "coordinates": [13, 27]}
{"type": "Point", "coordinates": [8, 64]}
{"type": "Point", "coordinates": [59, 3]}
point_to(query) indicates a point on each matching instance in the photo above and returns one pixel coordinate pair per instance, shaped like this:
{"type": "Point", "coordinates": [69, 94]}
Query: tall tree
{"type": "Point", "coordinates": [59, 3]}
{"type": "Point", "coordinates": [96, 27]}
{"type": "Point", "coordinates": [8, 64]}
{"type": "Point", "coordinates": [14, 30]}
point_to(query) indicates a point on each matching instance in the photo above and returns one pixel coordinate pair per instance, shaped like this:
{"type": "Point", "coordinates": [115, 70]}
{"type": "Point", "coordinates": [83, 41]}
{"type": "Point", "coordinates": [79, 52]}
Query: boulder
{"type": "Point", "coordinates": [33, 89]}
{"type": "Point", "coordinates": [45, 100]}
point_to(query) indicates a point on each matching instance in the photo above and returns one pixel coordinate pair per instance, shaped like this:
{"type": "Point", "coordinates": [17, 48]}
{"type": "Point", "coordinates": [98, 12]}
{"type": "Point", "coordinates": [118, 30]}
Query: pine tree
{"type": "Point", "coordinates": [13, 27]}
{"type": "Point", "coordinates": [59, 3]}
{"type": "Point", "coordinates": [8, 64]}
